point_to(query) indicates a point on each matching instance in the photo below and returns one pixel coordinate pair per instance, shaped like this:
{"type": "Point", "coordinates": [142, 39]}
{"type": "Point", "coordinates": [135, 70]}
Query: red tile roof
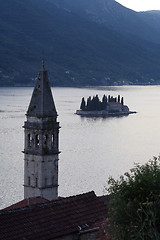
{"type": "Point", "coordinates": [52, 219]}
{"type": "Point", "coordinates": [27, 202]}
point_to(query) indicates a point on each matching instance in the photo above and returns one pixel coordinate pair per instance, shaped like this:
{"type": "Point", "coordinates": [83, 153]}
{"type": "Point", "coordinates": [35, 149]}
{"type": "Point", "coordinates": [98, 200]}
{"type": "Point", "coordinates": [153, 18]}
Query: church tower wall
{"type": "Point", "coordinates": [41, 149]}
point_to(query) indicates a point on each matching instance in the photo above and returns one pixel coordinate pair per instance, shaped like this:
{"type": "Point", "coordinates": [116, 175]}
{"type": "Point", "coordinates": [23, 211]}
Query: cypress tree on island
{"type": "Point", "coordinates": [83, 104]}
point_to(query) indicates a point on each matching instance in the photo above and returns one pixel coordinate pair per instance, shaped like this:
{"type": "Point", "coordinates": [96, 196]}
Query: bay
{"type": "Point", "coordinates": [92, 149]}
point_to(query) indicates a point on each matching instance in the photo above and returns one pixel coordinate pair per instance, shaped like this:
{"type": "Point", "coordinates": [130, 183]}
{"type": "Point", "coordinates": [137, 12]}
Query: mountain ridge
{"type": "Point", "coordinates": [78, 50]}
{"type": "Point", "coordinates": [113, 15]}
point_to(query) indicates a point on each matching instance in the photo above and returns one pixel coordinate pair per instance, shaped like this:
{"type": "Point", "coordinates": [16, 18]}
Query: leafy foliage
{"type": "Point", "coordinates": [135, 203]}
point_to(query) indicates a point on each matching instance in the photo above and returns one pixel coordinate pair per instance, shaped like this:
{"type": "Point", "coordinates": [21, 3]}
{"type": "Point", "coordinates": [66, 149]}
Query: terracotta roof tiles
{"type": "Point", "coordinates": [52, 219]}
{"type": "Point", "coordinates": [27, 202]}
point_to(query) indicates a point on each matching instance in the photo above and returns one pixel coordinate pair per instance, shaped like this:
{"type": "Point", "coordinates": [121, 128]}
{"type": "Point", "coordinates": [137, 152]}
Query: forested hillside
{"type": "Point", "coordinates": [78, 49]}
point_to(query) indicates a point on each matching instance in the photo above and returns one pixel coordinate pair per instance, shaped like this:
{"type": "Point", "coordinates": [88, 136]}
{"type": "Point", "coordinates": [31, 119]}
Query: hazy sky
{"type": "Point", "coordinates": [141, 5]}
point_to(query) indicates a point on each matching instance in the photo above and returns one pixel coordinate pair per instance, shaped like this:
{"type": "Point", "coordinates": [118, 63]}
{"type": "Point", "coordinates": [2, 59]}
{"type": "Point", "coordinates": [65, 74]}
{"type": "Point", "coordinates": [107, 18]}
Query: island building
{"type": "Point", "coordinates": [41, 147]}
{"type": "Point", "coordinates": [109, 107]}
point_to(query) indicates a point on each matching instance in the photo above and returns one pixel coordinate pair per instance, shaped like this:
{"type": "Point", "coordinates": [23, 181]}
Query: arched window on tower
{"type": "Point", "coordinates": [53, 181]}
{"type": "Point", "coordinates": [53, 140]}
{"type": "Point", "coordinates": [45, 182]}
{"type": "Point", "coordinates": [29, 140]}
{"type": "Point", "coordinates": [37, 140]}
{"type": "Point", "coordinates": [29, 181]}
{"type": "Point", "coordinates": [46, 139]}
{"type": "Point", "coordinates": [36, 182]}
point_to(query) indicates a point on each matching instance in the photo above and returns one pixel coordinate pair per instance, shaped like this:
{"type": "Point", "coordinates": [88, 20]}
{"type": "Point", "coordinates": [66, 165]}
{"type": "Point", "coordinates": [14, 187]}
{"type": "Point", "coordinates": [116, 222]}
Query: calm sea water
{"type": "Point", "coordinates": [91, 149]}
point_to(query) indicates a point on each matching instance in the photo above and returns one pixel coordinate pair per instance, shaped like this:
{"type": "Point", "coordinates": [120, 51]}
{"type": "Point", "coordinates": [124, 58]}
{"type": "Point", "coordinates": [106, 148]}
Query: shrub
{"type": "Point", "coordinates": [134, 211]}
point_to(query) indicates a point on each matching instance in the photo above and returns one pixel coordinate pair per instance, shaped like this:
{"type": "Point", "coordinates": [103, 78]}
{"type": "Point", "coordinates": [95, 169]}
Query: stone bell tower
{"type": "Point", "coordinates": [41, 148]}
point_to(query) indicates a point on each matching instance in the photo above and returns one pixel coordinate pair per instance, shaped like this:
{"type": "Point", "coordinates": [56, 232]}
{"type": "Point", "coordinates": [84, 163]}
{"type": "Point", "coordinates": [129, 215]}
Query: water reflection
{"type": "Point", "coordinates": [93, 118]}
{"type": "Point", "coordinates": [92, 148]}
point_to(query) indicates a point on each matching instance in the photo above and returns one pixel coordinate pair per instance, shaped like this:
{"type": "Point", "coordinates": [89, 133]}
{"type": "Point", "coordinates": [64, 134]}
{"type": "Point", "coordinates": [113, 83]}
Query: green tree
{"type": "Point", "coordinates": [122, 100]}
{"type": "Point", "coordinates": [97, 103]}
{"type": "Point", "coordinates": [104, 102]}
{"type": "Point", "coordinates": [134, 210]}
{"type": "Point", "coordinates": [83, 104]}
{"type": "Point", "coordinates": [89, 102]}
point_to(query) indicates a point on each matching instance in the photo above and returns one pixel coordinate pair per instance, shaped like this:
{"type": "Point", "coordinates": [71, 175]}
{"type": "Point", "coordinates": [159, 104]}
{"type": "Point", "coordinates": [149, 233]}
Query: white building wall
{"type": "Point", "coordinates": [41, 176]}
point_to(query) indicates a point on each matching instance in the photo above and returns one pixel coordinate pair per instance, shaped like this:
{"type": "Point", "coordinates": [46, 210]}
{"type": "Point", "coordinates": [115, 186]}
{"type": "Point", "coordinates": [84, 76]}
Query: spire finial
{"type": "Point", "coordinates": [43, 65]}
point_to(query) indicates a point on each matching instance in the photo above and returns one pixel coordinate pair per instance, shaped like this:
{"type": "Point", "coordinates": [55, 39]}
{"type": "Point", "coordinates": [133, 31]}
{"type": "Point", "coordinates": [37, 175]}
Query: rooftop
{"type": "Point", "coordinates": [52, 219]}
{"type": "Point", "coordinates": [27, 202]}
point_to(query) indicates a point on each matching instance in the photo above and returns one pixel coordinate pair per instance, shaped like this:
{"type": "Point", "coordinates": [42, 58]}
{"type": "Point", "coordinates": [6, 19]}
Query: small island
{"type": "Point", "coordinates": [109, 106]}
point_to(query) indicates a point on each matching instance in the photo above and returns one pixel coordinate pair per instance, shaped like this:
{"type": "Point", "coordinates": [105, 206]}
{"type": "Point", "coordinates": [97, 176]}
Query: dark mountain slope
{"type": "Point", "coordinates": [78, 51]}
{"type": "Point", "coordinates": [152, 19]}
{"type": "Point", "coordinates": [113, 15]}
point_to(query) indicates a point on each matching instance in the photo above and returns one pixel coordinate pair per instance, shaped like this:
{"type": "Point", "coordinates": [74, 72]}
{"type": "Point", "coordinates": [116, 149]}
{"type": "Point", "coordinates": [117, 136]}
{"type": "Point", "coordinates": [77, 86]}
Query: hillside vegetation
{"type": "Point", "coordinates": [134, 209]}
{"type": "Point", "coordinates": [79, 49]}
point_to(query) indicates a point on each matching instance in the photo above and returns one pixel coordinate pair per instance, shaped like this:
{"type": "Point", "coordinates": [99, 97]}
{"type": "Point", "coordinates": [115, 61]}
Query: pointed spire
{"type": "Point", "coordinates": [43, 68]}
{"type": "Point", "coordinates": [42, 103]}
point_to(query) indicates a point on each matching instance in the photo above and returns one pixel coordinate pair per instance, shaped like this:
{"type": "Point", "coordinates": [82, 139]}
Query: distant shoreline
{"type": "Point", "coordinates": [85, 86]}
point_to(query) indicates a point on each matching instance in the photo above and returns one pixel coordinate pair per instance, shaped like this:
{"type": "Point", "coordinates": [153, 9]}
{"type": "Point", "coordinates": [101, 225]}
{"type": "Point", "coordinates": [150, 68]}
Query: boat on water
{"type": "Point", "coordinates": [109, 107]}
